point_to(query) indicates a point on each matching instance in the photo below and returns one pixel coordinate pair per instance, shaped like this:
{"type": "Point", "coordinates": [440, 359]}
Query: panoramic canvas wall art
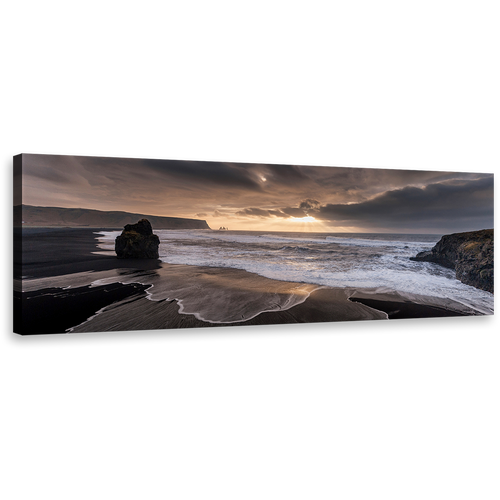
{"type": "Point", "coordinates": [114, 244]}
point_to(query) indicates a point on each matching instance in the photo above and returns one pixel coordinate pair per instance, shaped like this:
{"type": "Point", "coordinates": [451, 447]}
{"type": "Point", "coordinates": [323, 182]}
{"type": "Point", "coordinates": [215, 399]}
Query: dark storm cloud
{"type": "Point", "coordinates": [432, 206]}
{"type": "Point", "coordinates": [309, 205]}
{"type": "Point", "coordinates": [232, 175]}
{"type": "Point", "coordinates": [359, 184]}
{"type": "Point", "coordinates": [305, 207]}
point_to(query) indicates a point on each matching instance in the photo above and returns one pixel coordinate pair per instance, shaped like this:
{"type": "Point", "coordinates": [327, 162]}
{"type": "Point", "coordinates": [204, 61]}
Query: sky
{"type": "Point", "coordinates": [261, 197]}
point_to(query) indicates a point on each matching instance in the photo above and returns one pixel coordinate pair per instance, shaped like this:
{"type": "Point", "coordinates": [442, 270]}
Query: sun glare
{"type": "Point", "coordinates": [307, 218]}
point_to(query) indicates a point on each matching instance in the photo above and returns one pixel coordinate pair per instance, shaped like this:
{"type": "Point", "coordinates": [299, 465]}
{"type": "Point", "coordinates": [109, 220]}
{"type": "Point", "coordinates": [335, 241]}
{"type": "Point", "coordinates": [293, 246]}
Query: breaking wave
{"type": "Point", "coordinates": [335, 259]}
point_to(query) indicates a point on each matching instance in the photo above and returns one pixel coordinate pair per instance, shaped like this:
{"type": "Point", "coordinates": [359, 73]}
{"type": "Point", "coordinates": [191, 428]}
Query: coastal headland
{"type": "Point", "coordinates": [470, 254]}
{"type": "Point", "coordinates": [32, 216]}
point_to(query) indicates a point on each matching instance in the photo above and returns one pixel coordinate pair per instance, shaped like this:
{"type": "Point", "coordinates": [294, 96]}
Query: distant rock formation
{"type": "Point", "coordinates": [470, 254]}
{"type": "Point", "coordinates": [137, 241]}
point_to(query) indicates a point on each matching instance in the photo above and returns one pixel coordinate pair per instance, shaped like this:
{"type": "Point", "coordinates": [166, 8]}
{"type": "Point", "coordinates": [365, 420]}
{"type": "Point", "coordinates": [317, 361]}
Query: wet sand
{"type": "Point", "coordinates": [148, 294]}
{"type": "Point", "coordinates": [322, 306]}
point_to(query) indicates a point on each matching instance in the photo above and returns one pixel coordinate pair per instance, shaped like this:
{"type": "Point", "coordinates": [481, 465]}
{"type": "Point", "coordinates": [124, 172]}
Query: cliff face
{"type": "Point", "coordinates": [81, 217]}
{"type": "Point", "coordinates": [470, 254]}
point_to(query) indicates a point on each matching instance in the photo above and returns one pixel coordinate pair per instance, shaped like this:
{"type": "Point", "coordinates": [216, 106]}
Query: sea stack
{"type": "Point", "coordinates": [137, 241]}
{"type": "Point", "coordinates": [470, 254]}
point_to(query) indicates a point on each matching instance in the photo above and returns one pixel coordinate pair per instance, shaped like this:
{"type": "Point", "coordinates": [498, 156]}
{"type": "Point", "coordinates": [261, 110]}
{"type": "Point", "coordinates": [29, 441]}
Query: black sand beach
{"type": "Point", "coordinates": [65, 254]}
{"type": "Point", "coordinates": [56, 251]}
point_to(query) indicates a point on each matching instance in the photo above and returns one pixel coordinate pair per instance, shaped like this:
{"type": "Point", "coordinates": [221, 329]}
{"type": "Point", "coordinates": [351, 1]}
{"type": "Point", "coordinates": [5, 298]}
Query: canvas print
{"type": "Point", "coordinates": [116, 244]}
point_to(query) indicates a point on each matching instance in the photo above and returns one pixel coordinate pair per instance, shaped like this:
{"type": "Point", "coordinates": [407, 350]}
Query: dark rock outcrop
{"type": "Point", "coordinates": [470, 254]}
{"type": "Point", "coordinates": [137, 241]}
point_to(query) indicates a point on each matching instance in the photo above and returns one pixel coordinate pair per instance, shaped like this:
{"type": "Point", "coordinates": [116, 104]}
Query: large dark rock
{"type": "Point", "coordinates": [137, 241]}
{"type": "Point", "coordinates": [470, 254]}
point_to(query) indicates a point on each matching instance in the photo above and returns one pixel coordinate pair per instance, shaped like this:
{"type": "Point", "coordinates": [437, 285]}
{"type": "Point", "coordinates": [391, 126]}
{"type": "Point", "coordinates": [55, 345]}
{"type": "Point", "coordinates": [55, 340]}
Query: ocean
{"type": "Point", "coordinates": [357, 260]}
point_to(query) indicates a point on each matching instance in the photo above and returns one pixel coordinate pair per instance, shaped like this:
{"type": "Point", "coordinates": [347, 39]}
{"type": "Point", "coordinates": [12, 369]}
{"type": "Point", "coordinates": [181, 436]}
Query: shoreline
{"type": "Point", "coordinates": [177, 296]}
{"type": "Point", "coordinates": [143, 295]}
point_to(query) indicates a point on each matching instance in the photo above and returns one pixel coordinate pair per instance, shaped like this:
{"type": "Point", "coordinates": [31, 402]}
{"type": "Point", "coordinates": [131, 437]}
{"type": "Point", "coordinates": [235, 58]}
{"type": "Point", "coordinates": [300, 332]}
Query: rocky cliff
{"type": "Point", "coordinates": [137, 241]}
{"type": "Point", "coordinates": [27, 215]}
{"type": "Point", "coordinates": [470, 254]}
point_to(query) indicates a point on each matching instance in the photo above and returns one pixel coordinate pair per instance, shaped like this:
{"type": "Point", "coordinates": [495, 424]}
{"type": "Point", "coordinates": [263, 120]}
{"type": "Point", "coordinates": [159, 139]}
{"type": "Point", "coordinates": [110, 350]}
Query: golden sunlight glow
{"type": "Point", "coordinates": [306, 224]}
{"type": "Point", "coordinates": [307, 218]}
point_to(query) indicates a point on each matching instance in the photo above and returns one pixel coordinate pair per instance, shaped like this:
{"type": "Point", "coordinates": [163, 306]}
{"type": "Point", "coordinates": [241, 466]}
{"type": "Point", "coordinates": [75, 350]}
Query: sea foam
{"type": "Point", "coordinates": [337, 260]}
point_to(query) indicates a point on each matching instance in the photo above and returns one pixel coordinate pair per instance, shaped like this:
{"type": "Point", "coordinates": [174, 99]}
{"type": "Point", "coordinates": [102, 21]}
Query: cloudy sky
{"type": "Point", "coordinates": [265, 197]}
